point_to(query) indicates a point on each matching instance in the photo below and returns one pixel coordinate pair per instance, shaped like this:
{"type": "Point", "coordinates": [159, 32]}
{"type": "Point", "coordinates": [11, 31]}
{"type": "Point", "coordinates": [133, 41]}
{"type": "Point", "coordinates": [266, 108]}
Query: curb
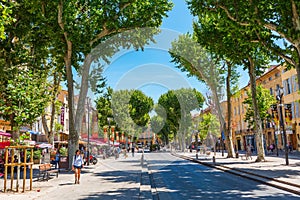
{"type": "Point", "coordinates": [145, 185]}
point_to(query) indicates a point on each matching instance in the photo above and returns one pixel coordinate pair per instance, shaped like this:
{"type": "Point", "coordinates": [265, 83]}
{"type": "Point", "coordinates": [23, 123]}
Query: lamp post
{"type": "Point", "coordinates": [88, 131]}
{"type": "Point", "coordinates": [279, 98]}
{"type": "Point", "coordinates": [274, 111]}
{"type": "Point", "coordinates": [276, 143]}
{"type": "Point", "coordinates": [109, 130]}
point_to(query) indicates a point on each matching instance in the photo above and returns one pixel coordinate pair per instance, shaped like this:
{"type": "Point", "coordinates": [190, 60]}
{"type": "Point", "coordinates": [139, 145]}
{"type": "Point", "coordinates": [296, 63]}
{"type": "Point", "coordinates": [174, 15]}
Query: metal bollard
{"type": "Point", "coordinates": [142, 160]}
{"type": "Point", "coordinates": [196, 156]}
{"type": "Point", "coordinates": [214, 159]}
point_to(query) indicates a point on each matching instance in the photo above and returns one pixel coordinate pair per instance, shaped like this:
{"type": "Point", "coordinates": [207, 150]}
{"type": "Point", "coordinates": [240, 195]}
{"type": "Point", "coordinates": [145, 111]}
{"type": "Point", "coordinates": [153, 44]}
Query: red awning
{"type": "Point", "coordinates": [4, 144]}
{"type": "Point", "coordinates": [5, 134]}
{"type": "Point", "coordinates": [97, 141]}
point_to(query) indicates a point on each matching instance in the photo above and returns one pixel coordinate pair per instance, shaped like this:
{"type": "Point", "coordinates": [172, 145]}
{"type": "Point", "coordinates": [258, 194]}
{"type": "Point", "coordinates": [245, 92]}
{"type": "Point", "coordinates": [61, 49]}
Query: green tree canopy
{"type": "Point", "coordinates": [25, 99]}
{"type": "Point", "coordinates": [276, 24]}
{"type": "Point", "coordinates": [175, 107]}
{"type": "Point", "coordinates": [129, 109]}
{"type": "Point", "coordinates": [141, 105]}
{"type": "Point", "coordinates": [209, 126]}
{"type": "Point", "coordinates": [245, 50]}
{"type": "Point", "coordinates": [6, 18]}
{"type": "Point", "coordinates": [264, 99]}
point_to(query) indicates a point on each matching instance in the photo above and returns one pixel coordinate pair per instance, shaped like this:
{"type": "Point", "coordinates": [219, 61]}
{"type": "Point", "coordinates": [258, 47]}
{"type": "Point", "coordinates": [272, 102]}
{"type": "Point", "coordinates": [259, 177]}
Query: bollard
{"type": "Point", "coordinates": [142, 160]}
{"type": "Point", "coordinates": [196, 156]}
{"type": "Point", "coordinates": [214, 159]}
{"type": "Point", "coordinates": [237, 154]}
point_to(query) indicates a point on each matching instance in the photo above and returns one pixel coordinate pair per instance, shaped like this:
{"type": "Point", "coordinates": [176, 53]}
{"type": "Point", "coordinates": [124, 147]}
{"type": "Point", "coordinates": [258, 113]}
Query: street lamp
{"type": "Point", "coordinates": [274, 111]}
{"type": "Point", "coordinates": [109, 129]}
{"type": "Point", "coordinates": [279, 98]}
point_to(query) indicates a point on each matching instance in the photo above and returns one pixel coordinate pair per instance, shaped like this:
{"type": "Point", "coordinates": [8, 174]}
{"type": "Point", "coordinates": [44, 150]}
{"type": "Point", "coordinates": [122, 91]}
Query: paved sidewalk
{"type": "Point", "coordinates": [274, 167]}
{"type": "Point", "coordinates": [108, 179]}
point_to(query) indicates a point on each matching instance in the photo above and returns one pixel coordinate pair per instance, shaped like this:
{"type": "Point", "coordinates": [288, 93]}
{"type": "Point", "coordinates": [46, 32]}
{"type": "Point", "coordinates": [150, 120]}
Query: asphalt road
{"type": "Point", "coordinates": [171, 178]}
{"type": "Point", "coordinates": [175, 178]}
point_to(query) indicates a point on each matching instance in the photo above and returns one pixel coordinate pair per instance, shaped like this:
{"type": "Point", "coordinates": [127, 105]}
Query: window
{"type": "Point", "coordinates": [297, 109]}
{"type": "Point", "coordinates": [287, 86]}
{"type": "Point", "coordinates": [293, 110]}
{"type": "Point", "coordinates": [294, 83]}
{"type": "Point", "coordinates": [271, 91]}
{"type": "Point", "coordinates": [277, 75]}
{"type": "Point", "coordinates": [270, 78]}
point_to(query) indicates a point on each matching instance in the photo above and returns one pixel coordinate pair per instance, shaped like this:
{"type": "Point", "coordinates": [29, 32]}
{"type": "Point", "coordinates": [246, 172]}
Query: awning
{"type": "Point", "coordinates": [96, 141]}
{"type": "Point", "coordinates": [116, 144]}
{"type": "Point", "coordinates": [44, 145]}
{"type": "Point", "coordinates": [5, 134]}
{"type": "Point", "coordinates": [61, 142]}
{"type": "Point", "coordinates": [30, 142]}
{"type": "Point", "coordinates": [4, 144]}
{"type": "Point", "coordinates": [82, 142]}
{"type": "Point", "coordinates": [34, 132]}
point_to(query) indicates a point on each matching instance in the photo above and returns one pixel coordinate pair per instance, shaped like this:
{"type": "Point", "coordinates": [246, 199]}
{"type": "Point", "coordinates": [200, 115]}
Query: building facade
{"type": "Point", "coordinates": [274, 78]}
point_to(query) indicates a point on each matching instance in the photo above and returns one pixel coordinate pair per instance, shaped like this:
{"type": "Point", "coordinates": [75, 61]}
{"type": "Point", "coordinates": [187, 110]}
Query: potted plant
{"type": "Point", "coordinates": [37, 154]}
{"type": "Point", "coordinates": [63, 160]}
{"type": "Point", "coordinates": [63, 151]}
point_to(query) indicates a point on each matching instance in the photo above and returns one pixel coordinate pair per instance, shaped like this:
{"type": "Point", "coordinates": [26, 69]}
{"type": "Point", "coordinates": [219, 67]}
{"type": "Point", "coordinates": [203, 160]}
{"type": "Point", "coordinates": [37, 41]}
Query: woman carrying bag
{"type": "Point", "coordinates": [77, 165]}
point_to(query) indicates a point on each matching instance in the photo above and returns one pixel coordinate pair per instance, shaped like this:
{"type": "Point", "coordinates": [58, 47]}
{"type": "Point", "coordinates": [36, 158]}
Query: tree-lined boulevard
{"type": "Point", "coordinates": [52, 60]}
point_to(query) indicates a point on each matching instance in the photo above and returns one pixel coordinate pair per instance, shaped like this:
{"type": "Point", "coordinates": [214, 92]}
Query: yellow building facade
{"type": "Point", "coordinates": [276, 77]}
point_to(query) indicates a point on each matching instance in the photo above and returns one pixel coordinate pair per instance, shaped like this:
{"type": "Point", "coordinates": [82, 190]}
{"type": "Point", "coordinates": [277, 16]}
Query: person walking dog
{"type": "Point", "coordinates": [77, 165]}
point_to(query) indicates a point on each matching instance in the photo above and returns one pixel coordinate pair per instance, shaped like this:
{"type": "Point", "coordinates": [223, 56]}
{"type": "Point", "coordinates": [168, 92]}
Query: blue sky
{"type": "Point", "coordinates": [151, 70]}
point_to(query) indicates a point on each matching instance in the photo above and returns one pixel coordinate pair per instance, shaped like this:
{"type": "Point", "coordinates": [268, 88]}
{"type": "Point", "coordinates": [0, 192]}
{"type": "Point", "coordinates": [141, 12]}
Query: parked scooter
{"type": "Point", "coordinates": [93, 160]}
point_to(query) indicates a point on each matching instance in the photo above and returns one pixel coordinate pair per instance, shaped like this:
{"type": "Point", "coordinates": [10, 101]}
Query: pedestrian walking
{"type": "Point", "coordinates": [290, 147]}
{"type": "Point", "coordinates": [248, 152]}
{"type": "Point", "coordinates": [125, 153]}
{"type": "Point", "coordinates": [77, 165]}
{"type": "Point", "coordinates": [116, 153]}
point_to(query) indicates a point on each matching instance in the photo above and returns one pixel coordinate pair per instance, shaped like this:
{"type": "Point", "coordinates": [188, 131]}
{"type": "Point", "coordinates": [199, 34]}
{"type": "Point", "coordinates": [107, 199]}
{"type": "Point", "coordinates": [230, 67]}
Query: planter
{"type": "Point", "coordinates": [63, 162]}
{"type": "Point", "coordinates": [36, 161]}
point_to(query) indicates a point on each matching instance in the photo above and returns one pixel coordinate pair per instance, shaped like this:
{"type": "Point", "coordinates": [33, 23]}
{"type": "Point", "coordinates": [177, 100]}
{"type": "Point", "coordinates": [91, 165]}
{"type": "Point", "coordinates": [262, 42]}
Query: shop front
{"type": "Point", "coordinates": [4, 139]}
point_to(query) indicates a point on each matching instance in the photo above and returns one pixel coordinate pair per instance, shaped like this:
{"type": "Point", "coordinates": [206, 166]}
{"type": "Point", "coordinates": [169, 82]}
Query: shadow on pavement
{"type": "Point", "coordinates": [180, 178]}
{"type": "Point", "coordinates": [112, 194]}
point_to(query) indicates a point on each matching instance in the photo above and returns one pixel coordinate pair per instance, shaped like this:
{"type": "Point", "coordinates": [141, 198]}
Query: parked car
{"type": "Point", "coordinates": [146, 150]}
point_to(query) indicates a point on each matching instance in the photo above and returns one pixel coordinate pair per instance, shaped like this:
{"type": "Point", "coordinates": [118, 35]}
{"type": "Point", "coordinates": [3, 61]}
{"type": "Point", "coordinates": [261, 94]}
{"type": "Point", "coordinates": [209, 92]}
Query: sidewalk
{"type": "Point", "coordinates": [274, 167]}
{"type": "Point", "coordinates": [108, 179]}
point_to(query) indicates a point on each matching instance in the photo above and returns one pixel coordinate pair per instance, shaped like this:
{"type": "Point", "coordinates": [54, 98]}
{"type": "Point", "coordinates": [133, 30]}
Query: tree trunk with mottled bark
{"type": "Point", "coordinates": [257, 129]}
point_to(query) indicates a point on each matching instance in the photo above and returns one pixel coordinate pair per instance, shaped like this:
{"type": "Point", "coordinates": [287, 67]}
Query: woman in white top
{"type": "Point", "coordinates": [77, 165]}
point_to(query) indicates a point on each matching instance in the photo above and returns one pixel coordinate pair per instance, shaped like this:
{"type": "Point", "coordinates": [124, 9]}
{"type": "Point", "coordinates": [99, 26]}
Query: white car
{"type": "Point", "coordinates": [146, 150]}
